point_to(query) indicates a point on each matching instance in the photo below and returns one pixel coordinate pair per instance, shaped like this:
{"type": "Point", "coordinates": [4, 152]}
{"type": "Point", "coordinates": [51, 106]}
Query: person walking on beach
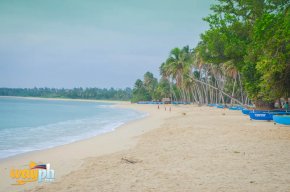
{"type": "Point", "coordinates": [158, 106]}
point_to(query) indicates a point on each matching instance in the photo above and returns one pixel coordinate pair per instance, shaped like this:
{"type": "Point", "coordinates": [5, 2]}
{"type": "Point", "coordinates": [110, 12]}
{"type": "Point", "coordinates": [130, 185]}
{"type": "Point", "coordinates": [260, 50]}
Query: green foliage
{"type": "Point", "coordinates": [76, 93]}
{"type": "Point", "coordinates": [272, 37]}
{"type": "Point", "coordinates": [246, 48]}
{"type": "Point", "coordinates": [177, 64]}
{"type": "Point", "coordinates": [150, 83]}
{"type": "Point", "coordinates": [254, 36]}
{"type": "Point", "coordinates": [162, 90]}
{"type": "Point", "coordinates": [139, 92]}
{"type": "Point", "coordinates": [150, 89]}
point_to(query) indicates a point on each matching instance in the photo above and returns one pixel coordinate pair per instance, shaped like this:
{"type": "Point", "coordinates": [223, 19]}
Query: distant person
{"type": "Point", "coordinates": [286, 106]}
{"type": "Point", "coordinates": [170, 109]}
{"type": "Point", "coordinates": [158, 106]}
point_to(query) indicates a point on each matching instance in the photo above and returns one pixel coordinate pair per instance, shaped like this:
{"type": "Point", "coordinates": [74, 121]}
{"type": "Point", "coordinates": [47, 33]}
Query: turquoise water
{"type": "Point", "coordinates": [29, 124]}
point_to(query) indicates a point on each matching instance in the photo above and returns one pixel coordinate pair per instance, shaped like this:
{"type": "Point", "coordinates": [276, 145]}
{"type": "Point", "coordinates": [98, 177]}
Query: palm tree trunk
{"type": "Point", "coordinates": [233, 92]}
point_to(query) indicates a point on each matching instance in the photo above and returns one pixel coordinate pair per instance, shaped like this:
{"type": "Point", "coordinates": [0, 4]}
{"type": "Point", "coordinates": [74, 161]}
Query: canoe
{"type": "Point", "coordinates": [236, 108]}
{"type": "Point", "coordinates": [180, 102]}
{"type": "Point", "coordinates": [282, 119]}
{"type": "Point", "coordinates": [265, 116]}
{"type": "Point", "coordinates": [261, 116]}
{"type": "Point", "coordinates": [246, 111]}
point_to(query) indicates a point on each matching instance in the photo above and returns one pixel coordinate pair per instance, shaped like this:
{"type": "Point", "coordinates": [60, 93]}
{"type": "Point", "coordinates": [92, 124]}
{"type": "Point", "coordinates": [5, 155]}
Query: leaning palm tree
{"type": "Point", "coordinates": [191, 79]}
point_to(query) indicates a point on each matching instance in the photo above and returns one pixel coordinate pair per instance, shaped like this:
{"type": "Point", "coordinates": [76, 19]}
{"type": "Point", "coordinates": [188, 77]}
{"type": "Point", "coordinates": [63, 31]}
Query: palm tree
{"type": "Point", "coordinates": [178, 64]}
{"type": "Point", "coordinates": [196, 80]}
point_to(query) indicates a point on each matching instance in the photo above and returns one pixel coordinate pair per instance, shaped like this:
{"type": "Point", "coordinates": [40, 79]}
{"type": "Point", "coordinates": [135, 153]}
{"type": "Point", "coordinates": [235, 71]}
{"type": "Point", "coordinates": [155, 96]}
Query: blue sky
{"type": "Point", "coordinates": [92, 43]}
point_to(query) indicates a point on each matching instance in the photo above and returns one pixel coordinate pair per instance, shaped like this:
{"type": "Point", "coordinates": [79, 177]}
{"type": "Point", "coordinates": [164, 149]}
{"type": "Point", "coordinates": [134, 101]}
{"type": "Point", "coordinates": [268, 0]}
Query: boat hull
{"type": "Point", "coordinates": [265, 116]}
{"type": "Point", "coordinates": [261, 116]}
{"type": "Point", "coordinates": [282, 119]}
{"type": "Point", "coordinates": [236, 108]}
{"type": "Point", "coordinates": [246, 111]}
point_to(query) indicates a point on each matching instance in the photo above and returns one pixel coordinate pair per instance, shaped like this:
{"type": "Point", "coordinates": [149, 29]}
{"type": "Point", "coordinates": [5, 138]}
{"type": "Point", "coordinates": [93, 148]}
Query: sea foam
{"type": "Point", "coordinates": [63, 122]}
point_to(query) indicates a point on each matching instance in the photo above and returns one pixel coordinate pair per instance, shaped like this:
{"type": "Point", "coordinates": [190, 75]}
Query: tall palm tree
{"type": "Point", "coordinates": [178, 64]}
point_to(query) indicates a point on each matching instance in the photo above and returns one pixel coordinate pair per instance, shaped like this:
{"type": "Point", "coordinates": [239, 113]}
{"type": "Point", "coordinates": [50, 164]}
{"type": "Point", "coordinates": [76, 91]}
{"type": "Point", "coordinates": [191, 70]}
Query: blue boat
{"type": "Point", "coordinates": [220, 106]}
{"type": "Point", "coordinates": [246, 111]}
{"type": "Point", "coordinates": [236, 108]}
{"type": "Point", "coordinates": [261, 116]}
{"type": "Point", "coordinates": [265, 116]}
{"type": "Point", "coordinates": [282, 119]}
{"type": "Point", "coordinates": [180, 102]}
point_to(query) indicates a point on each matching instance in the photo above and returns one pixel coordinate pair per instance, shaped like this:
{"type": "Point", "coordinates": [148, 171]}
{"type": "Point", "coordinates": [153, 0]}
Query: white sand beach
{"type": "Point", "coordinates": [188, 149]}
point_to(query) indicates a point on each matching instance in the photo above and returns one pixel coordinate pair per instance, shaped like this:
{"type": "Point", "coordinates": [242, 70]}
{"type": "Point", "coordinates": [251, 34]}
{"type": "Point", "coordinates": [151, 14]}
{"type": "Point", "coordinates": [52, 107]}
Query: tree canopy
{"type": "Point", "coordinates": [76, 93]}
{"type": "Point", "coordinates": [242, 57]}
{"type": "Point", "coordinates": [254, 37]}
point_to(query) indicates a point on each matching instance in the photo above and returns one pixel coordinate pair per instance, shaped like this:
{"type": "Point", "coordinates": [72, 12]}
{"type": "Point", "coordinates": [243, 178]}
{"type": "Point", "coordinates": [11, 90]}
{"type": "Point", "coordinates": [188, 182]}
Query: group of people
{"type": "Point", "coordinates": [169, 108]}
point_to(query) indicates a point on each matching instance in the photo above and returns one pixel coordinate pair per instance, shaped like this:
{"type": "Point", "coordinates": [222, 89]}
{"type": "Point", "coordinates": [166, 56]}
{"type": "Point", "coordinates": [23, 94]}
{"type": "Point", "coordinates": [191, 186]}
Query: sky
{"type": "Point", "coordinates": [92, 43]}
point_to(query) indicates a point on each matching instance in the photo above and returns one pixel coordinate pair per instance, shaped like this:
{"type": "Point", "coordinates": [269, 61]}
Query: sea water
{"type": "Point", "coordinates": [34, 124]}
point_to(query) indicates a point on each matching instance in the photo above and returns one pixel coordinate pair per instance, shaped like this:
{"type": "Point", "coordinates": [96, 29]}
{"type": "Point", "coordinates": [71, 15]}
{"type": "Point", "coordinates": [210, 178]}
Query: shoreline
{"type": "Point", "coordinates": [71, 142]}
{"type": "Point", "coordinates": [72, 162]}
{"type": "Point", "coordinates": [113, 128]}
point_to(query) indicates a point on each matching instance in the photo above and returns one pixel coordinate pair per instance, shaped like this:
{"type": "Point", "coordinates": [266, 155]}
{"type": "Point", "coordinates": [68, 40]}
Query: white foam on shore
{"type": "Point", "coordinates": [26, 139]}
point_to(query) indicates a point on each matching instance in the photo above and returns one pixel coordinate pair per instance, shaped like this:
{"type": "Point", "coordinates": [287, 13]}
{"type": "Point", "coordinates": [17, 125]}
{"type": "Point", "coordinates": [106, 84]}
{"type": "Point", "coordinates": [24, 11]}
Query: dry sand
{"type": "Point", "coordinates": [188, 149]}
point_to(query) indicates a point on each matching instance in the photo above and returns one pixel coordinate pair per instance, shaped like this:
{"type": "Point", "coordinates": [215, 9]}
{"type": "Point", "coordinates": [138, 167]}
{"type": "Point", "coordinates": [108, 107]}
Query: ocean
{"type": "Point", "coordinates": [35, 124]}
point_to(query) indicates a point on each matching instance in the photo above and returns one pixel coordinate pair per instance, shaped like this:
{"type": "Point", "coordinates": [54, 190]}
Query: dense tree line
{"type": "Point", "coordinates": [150, 89]}
{"type": "Point", "coordinates": [244, 57]}
{"type": "Point", "coordinates": [76, 93]}
{"type": "Point", "coordinates": [251, 39]}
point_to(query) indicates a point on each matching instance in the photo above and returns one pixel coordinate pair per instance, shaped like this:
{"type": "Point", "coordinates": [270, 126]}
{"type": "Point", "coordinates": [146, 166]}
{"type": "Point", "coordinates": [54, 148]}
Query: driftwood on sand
{"type": "Point", "coordinates": [130, 160]}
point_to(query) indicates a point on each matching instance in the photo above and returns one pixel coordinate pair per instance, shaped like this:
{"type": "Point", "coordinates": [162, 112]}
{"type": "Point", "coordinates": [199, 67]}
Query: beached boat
{"type": "Point", "coordinates": [246, 111]}
{"type": "Point", "coordinates": [233, 108]}
{"type": "Point", "coordinates": [260, 116]}
{"type": "Point", "coordinates": [236, 108]}
{"type": "Point", "coordinates": [282, 119]}
{"type": "Point", "coordinates": [180, 102]}
{"type": "Point", "coordinates": [265, 116]}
